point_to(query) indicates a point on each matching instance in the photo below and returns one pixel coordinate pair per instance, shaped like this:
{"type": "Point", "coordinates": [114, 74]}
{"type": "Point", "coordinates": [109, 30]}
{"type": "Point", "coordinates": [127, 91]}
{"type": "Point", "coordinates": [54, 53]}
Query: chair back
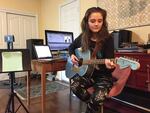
{"type": "Point", "coordinates": [122, 76]}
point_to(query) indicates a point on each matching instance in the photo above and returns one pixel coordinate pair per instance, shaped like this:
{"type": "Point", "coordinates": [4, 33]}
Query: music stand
{"type": "Point", "coordinates": [11, 61]}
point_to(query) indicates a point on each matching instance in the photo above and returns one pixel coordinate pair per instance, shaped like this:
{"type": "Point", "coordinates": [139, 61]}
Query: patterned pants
{"type": "Point", "coordinates": [102, 86]}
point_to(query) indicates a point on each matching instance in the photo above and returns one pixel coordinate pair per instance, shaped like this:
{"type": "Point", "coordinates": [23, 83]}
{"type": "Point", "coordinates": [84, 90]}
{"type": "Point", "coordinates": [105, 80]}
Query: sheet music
{"type": "Point", "coordinates": [12, 61]}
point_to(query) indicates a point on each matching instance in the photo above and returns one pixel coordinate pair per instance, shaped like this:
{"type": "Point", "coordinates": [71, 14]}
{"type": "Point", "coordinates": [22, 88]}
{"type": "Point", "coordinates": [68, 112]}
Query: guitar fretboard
{"type": "Point", "coordinates": [95, 61]}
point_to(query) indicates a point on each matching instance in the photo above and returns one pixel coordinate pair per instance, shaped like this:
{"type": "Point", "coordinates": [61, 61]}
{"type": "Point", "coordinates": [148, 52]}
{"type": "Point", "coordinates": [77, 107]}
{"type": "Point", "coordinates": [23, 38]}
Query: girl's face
{"type": "Point", "coordinates": [95, 22]}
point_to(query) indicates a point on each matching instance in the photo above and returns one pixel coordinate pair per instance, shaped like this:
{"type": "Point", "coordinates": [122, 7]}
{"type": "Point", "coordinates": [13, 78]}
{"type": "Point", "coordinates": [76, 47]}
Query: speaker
{"type": "Point", "coordinates": [115, 35]}
{"type": "Point", "coordinates": [30, 45]}
{"type": "Point", "coordinates": [124, 36]}
{"type": "Point", "coordinates": [120, 37]}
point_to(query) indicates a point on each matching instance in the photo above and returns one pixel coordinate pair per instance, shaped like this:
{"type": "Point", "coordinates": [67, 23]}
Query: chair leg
{"type": "Point", "coordinates": [69, 85]}
{"type": "Point", "coordinates": [101, 109]}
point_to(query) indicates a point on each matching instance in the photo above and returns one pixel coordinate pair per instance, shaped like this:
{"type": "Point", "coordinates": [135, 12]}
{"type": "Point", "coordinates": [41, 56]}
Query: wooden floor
{"type": "Point", "coordinates": [58, 102]}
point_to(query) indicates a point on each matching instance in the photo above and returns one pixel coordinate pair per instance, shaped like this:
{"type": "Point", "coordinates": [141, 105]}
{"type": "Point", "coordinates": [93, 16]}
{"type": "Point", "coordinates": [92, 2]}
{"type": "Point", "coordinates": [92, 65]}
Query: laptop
{"type": "Point", "coordinates": [43, 52]}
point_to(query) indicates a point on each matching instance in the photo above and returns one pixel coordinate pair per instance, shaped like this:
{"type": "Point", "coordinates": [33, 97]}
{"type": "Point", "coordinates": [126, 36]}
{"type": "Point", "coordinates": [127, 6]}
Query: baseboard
{"type": "Point", "coordinates": [135, 98]}
{"type": "Point", "coordinates": [131, 104]}
{"type": "Point", "coordinates": [4, 76]}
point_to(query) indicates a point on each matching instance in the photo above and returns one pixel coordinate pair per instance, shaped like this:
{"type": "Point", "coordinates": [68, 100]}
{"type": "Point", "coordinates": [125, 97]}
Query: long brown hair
{"type": "Point", "coordinates": [87, 33]}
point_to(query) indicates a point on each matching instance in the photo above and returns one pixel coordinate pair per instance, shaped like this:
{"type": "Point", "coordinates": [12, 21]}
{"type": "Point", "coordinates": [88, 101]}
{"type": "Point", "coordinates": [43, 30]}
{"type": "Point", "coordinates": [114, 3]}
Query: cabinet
{"type": "Point", "coordinates": [139, 79]}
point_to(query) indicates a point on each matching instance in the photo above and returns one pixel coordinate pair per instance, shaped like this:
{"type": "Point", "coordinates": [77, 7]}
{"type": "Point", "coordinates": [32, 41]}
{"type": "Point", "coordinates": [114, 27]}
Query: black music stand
{"type": "Point", "coordinates": [11, 61]}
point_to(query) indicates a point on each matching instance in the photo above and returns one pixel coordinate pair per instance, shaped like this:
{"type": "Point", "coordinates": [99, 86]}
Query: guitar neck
{"type": "Point", "coordinates": [95, 61]}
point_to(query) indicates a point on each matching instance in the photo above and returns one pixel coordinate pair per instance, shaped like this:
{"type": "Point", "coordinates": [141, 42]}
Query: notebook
{"type": "Point", "coordinates": [43, 52]}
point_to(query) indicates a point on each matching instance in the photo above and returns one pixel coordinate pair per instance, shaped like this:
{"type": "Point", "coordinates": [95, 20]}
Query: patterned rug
{"type": "Point", "coordinates": [35, 91]}
{"type": "Point", "coordinates": [5, 84]}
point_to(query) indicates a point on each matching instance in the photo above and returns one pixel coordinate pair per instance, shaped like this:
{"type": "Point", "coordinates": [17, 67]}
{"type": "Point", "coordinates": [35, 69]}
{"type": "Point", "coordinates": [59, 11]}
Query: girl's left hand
{"type": "Point", "coordinates": [109, 64]}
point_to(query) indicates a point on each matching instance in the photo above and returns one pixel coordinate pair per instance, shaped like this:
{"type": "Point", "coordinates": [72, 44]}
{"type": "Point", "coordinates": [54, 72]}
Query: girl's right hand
{"type": "Point", "coordinates": [74, 59]}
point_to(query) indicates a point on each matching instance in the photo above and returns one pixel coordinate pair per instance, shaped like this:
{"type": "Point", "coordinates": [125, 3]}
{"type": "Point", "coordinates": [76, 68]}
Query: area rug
{"type": "Point", "coordinates": [35, 91]}
{"type": "Point", "coordinates": [5, 84]}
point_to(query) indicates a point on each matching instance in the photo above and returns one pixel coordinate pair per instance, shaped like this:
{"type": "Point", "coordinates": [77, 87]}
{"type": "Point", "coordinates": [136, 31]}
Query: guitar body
{"type": "Point", "coordinates": [71, 70]}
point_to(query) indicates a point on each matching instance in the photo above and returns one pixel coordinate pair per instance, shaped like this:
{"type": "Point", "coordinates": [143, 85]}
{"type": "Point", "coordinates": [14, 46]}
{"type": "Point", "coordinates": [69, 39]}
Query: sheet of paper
{"type": "Point", "coordinates": [12, 61]}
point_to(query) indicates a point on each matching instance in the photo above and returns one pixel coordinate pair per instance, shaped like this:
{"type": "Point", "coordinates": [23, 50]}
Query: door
{"type": "Point", "coordinates": [22, 27]}
{"type": "Point", "coordinates": [69, 17]}
{"type": "Point", "coordinates": [3, 29]}
{"type": "Point", "coordinates": [69, 21]}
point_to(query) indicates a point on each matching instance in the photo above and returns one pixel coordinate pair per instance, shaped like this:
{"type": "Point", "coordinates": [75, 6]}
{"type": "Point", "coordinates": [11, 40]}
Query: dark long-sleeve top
{"type": "Point", "coordinates": [107, 51]}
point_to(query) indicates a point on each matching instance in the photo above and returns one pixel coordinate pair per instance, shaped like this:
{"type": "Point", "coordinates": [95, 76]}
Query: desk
{"type": "Point", "coordinates": [43, 67]}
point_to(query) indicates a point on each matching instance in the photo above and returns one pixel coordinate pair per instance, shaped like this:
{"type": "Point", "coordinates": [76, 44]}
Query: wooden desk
{"type": "Point", "coordinates": [43, 67]}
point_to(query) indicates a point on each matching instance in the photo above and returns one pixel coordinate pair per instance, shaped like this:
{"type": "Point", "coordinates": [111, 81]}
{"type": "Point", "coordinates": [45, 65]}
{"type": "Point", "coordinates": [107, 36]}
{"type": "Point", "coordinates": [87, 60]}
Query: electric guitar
{"type": "Point", "coordinates": [86, 64]}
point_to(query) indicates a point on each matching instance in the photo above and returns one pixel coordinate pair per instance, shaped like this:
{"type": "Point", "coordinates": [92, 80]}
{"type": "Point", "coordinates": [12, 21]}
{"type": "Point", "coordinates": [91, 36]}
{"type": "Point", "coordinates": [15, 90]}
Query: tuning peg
{"type": "Point", "coordinates": [124, 56]}
{"type": "Point", "coordinates": [127, 57]}
{"type": "Point", "coordinates": [132, 58]}
{"type": "Point", "coordinates": [137, 60]}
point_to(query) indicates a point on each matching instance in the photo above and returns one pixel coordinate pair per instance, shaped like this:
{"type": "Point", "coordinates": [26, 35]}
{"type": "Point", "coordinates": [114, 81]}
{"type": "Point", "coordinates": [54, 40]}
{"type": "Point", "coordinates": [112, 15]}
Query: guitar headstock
{"type": "Point", "coordinates": [124, 62]}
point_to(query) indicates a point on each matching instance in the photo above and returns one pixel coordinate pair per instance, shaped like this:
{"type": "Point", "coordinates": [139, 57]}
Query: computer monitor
{"type": "Point", "coordinates": [58, 40]}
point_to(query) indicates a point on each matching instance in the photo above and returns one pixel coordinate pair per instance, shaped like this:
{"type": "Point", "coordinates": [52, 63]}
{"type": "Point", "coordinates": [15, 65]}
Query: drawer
{"type": "Point", "coordinates": [143, 64]}
{"type": "Point", "coordinates": [131, 80]}
{"type": "Point", "coordinates": [141, 79]}
{"type": "Point", "coordinates": [59, 66]}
